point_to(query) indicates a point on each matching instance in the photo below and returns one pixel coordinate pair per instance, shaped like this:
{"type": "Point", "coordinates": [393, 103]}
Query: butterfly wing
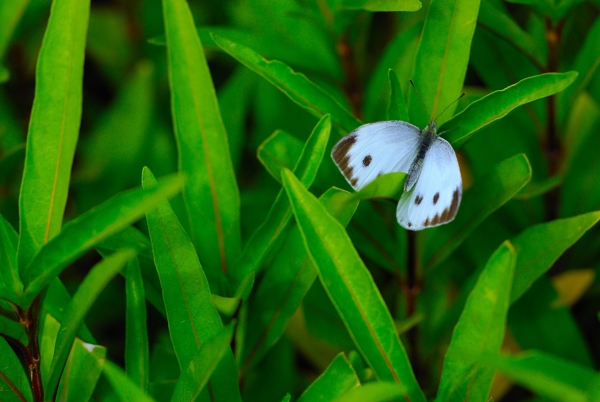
{"type": "Point", "coordinates": [375, 149]}
{"type": "Point", "coordinates": [435, 198]}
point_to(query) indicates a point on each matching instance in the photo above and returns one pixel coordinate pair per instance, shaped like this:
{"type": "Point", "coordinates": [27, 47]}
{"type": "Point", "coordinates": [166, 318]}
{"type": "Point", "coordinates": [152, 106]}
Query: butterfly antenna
{"type": "Point", "coordinates": [452, 103]}
{"type": "Point", "coordinates": [421, 99]}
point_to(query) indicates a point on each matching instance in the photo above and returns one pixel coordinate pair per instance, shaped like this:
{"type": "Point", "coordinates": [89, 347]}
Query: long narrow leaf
{"type": "Point", "coordinates": [498, 104]}
{"type": "Point", "coordinates": [352, 289]}
{"type": "Point", "coordinates": [539, 246]}
{"type": "Point", "coordinates": [82, 371]}
{"type": "Point", "coordinates": [83, 233]}
{"type": "Point", "coordinates": [296, 86]}
{"type": "Point", "coordinates": [284, 285]}
{"type": "Point", "coordinates": [442, 58]}
{"type": "Point", "coordinates": [480, 330]}
{"type": "Point", "coordinates": [268, 234]}
{"type": "Point", "coordinates": [191, 316]}
{"type": "Point", "coordinates": [53, 127]}
{"type": "Point", "coordinates": [196, 376]}
{"type": "Point", "coordinates": [211, 195]}
{"type": "Point", "coordinates": [396, 106]}
{"type": "Point", "coordinates": [122, 385]}
{"type": "Point", "coordinates": [83, 299]}
{"type": "Point", "coordinates": [280, 150]}
{"type": "Point", "coordinates": [338, 378]}
{"type": "Point", "coordinates": [137, 359]}
{"type": "Point", "coordinates": [556, 379]}
{"type": "Point", "coordinates": [10, 280]}
{"type": "Point", "coordinates": [14, 386]}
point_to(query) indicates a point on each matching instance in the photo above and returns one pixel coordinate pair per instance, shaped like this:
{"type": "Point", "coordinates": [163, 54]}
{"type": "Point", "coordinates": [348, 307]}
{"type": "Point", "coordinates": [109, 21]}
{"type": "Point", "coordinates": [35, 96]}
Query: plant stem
{"type": "Point", "coordinates": [412, 290]}
{"type": "Point", "coordinates": [29, 320]}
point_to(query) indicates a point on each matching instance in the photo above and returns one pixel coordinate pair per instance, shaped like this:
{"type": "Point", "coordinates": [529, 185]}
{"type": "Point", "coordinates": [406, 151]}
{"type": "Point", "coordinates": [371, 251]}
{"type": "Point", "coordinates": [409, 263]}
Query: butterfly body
{"type": "Point", "coordinates": [433, 186]}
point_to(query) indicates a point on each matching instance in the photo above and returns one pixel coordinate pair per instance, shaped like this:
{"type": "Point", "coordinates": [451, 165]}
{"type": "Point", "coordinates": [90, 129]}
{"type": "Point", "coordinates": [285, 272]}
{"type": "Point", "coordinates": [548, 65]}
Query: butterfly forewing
{"type": "Point", "coordinates": [435, 198]}
{"type": "Point", "coordinates": [375, 149]}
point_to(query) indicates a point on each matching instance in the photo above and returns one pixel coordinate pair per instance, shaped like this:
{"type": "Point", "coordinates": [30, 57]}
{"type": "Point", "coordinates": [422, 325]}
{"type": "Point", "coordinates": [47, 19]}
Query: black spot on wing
{"type": "Point", "coordinates": [436, 197]}
{"type": "Point", "coordinates": [418, 199]}
{"type": "Point", "coordinates": [449, 213]}
{"type": "Point", "coordinates": [367, 160]}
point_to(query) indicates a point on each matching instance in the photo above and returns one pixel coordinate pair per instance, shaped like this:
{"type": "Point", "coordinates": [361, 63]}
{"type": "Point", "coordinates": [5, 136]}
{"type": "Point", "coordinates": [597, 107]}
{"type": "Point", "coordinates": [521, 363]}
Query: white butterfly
{"type": "Point", "coordinates": [433, 186]}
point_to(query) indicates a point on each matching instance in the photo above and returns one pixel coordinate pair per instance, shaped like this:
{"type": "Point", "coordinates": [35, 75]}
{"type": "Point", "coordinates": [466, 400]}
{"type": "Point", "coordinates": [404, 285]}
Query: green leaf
{"type": "Point", "coordinates": [380, 5]}
{"type": "Point", "coordinates": [83, 299]}
{"type": "Point", "coordinates": [191, 316]}
{"type": "Point", "coordinates": [486, 195]}
{"type": "Point", "coordinates": [396, 106]}
{"type": "Point", "coordinates": [122, 385]}
{"type": "Point", "coordinates": [352, 289]}
{"type": "Point", "coordinates": [550, 377]}
{"type": "Point", "coordinates": [10, 281]}
{"type": "Point", "coordinates": [193, 380]}
{"type": "Point", "coordinates": [389, 185]}
{"type": "Point", "coordinates": [374, 392]}
{"type": "Point", "coordinates": [338, 378]}
{"type": "Point", "coordinates": [539, 246]}
{"type": "Point", "coordinates": [295, 85]}
{"type": "Point", "coordinates": [586, 63]}
{"type": "Point", "coordinates": [137, 359]}
{"type": "Point", "coordinates": [499, 103]}
{"type": "Point", "coordinates": [81, 372]}
{"type": "Point", "coordinates": [83, 233]}
{"type": "Point", "coordinates": [56, 299]}
{"type": "Point", "coordinates": [442, 58]}
{"type": "Point", "coordinates": [53, 127]}
{"type": "Point", "coordinates": [501, 24]}
{"type": "Point", "coordinates": [480, 330]}
{"type": "Point", "coordinates": [268, 235]}
{"type": "Point", "coordinates": [14, 386]}
{"type": "Point", "coordinates": [284, 285]}
{"type": "Point", "coordinates": [211, 195]}
{"type": "Point", "coordinates": [280, 150]}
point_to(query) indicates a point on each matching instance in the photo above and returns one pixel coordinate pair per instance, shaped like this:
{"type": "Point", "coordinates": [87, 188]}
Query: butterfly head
{"type": "Point", "coordinates": [432, 127]}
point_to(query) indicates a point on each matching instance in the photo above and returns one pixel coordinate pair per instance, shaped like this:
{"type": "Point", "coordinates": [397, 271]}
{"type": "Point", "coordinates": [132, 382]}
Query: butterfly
{"type": "Point", "coordinates": [433, 186]}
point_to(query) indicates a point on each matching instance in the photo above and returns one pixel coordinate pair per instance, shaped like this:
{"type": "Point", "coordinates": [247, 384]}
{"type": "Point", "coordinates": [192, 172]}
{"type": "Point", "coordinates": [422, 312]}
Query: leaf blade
{"type": "Point", "coordinates": [86, 231]}
{"type": "Point", "coordinates": [85, 296]}
{"type": "Point", "coordinates": [268, 234]}
{"type": "Point", "coordinates": [295, 85]}
{"type": "Point", "coordinates": [203, 147]}
{"type": "Point", "coordinates": [480, 330]}
{"type": "Point", "coordinates": [184, 284]}
{"type": "Point", "coordinates": [499, 103]}
{"type": "Point", "coordinates": [53, 127]}
{"type": "Point", "coordinates": [442, 57]}
{"type": "Point", "coordinates": [341, 270]}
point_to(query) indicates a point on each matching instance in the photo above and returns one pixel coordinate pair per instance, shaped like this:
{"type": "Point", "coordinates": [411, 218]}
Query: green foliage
{"type": "Point", "coordinates": [258, 274]}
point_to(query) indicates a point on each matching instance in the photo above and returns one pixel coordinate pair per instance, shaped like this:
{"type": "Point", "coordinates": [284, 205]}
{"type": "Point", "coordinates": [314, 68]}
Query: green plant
{"type": "Point", "coordinates": [220, 296]}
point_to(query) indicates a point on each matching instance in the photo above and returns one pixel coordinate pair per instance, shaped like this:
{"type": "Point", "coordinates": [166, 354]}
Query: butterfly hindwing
{"type": "Point", "coordinates": [435, 197]}
{"type": "Point", "coordinates": [375, 149]}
